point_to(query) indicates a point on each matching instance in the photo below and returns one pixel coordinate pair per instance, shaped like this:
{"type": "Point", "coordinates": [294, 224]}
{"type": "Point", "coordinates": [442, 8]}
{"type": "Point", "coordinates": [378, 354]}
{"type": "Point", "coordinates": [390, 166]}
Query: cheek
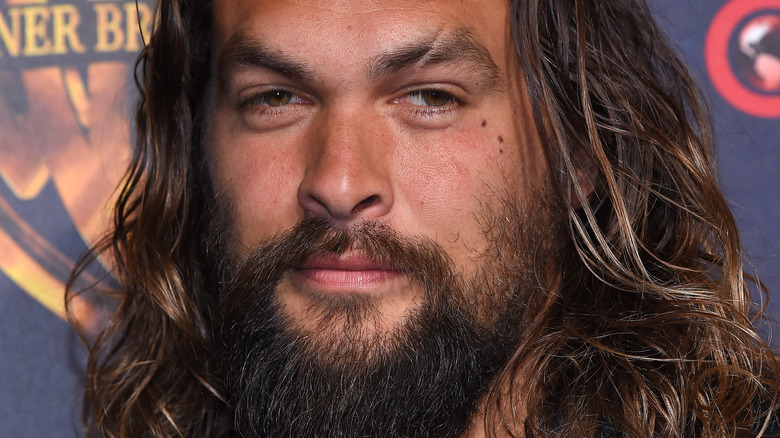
{"type": "Point", "coordinates": [259, 182]}
{"type": "Point", "coordinates": [449, 180]}
{"type": "Point", "coordinates": [433, 180]}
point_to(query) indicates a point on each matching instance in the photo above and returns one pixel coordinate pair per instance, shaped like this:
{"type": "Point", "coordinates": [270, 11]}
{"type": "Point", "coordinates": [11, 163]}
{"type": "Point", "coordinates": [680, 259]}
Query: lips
{"type": "Point", "coordinates": [344, 262]}
{"type": "Point", "coordinates": [348, 273]}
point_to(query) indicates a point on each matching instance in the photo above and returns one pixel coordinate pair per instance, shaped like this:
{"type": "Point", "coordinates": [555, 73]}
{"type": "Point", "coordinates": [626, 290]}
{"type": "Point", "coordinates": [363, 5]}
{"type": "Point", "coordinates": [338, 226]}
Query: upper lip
{"type": "Point", "coordinates": [351, 261]}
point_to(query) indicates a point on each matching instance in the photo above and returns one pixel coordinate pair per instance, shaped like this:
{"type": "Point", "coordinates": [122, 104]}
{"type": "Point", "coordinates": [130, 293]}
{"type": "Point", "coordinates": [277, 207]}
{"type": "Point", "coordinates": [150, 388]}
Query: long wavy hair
{"type": "Point", "coordinates": [652, 332]}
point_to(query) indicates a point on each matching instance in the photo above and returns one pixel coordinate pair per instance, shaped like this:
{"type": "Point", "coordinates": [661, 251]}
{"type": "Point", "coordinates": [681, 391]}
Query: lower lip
{"type": "Point", "coordinates": [337, 281]}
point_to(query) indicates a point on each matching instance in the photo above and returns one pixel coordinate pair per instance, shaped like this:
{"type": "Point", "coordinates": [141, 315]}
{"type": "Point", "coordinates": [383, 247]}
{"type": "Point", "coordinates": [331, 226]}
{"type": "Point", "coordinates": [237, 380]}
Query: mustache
{"type": "Point", "coordinates": [423, 378]}
{"type": "Point", "coordinates": [418, 258]}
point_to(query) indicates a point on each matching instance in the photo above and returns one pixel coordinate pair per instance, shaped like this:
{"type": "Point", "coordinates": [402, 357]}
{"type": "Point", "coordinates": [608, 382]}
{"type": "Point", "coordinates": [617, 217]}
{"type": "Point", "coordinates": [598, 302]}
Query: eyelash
{"type": "Point", "coordinates": [452, 102]}
{"type": "Point", "coordinates": [259, 102]}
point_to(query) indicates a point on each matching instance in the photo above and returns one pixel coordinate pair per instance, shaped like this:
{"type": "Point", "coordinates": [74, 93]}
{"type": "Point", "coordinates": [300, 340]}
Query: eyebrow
{"type": "Point", "coordinates": [242, 52]}
{"type": "Point", "coordinates": [458, 47]}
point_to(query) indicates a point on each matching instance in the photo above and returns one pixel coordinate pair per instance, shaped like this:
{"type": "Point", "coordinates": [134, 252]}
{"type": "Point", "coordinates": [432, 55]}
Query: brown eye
{"type": "Point", "coordinates": [277, 98]}
{"type": "Point", "coordinates": [271, 98]}
{"type": "Point", "coordinates": [431, 98]}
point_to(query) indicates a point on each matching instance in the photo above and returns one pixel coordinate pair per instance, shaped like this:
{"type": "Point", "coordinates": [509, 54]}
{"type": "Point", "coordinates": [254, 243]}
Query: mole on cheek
{"type": "Point", "coordinates": [500, 139]}
{"type": "Point", "coordinates": [484, 123]}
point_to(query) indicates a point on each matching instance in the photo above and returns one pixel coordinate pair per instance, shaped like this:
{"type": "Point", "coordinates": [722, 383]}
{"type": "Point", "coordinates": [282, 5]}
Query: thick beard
{"type": "Point", "coordinates": [424, 378]}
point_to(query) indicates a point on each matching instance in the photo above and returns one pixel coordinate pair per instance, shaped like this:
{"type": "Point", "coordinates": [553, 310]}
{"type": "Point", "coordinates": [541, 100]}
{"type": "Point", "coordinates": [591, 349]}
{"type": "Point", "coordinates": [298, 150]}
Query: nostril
{"type": "Point", "coordinates": [362, 205]}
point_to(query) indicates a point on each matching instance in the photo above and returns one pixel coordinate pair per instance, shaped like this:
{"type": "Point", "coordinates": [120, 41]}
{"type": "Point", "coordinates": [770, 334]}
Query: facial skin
{"type": "Point", "coordinates": [406, 113]}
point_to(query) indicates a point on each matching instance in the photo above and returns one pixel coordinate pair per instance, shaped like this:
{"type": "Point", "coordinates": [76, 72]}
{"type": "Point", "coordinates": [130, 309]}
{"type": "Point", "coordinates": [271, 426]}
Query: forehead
{"type": "Point", "coordinates": [355, 28]}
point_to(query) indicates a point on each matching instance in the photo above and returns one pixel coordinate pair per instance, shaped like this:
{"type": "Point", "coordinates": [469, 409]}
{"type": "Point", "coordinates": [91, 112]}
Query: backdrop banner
{"type": "Point", "coordinates": [66, 99]}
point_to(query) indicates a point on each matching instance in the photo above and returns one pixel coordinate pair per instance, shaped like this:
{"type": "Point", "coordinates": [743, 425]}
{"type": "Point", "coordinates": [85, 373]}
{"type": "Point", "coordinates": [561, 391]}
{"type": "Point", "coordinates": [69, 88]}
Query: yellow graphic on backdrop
{"type": "Point", "coordinates": [65, 99]}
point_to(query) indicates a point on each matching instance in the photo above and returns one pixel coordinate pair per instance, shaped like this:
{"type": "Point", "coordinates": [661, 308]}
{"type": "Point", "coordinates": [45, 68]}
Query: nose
{"type": "Point", "coordinates": [347, 177]}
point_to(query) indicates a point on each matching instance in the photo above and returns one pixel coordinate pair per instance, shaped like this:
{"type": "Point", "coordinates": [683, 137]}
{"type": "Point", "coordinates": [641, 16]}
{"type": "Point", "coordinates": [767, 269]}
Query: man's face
{"type": "Point", "coordinates": [382, 194]}
{"type": "Point", "coordinates": [410, 114]}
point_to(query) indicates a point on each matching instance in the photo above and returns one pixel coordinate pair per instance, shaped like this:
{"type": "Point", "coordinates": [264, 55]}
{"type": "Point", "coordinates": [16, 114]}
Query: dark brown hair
{"type": "Point", "coordinates": [651, 333]}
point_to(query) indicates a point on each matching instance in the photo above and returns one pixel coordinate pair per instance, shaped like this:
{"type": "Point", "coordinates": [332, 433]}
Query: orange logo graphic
{"type": "Point", "coordinates": [65, 100]}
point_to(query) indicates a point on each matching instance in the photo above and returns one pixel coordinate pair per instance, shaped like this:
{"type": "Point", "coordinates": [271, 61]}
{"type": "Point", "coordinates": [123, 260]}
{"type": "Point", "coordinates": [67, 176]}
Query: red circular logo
{"type": "Point", "coordinates": [743, 55]}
